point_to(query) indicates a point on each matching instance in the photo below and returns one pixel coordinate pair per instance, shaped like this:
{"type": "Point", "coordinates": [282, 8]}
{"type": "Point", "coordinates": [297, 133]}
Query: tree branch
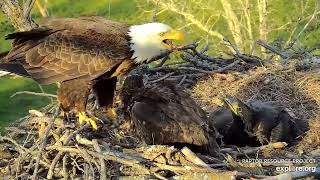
{"type": "Point", "coordinates": [20, 17]}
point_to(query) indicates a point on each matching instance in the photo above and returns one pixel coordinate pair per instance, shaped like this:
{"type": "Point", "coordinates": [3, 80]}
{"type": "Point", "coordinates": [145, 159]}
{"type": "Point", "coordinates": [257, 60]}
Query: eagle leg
{"type": "Point", "coordinates": [112, 111]}
{"type": "Point", "coordinates": [84, 118]}
{"type": "Point", "coordinates": [73, 96]}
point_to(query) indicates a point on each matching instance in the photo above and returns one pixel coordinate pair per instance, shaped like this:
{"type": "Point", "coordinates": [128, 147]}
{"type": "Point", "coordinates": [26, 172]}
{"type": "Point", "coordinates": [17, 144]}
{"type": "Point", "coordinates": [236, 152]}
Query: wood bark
{"type": "Point", "coordinates": [263, 28]}
{"type": "Point", "coordinates": [18, 15]}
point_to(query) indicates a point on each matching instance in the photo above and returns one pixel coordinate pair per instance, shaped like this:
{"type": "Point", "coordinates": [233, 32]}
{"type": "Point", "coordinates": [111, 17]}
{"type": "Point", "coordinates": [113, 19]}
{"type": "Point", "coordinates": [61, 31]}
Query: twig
{"type": "Point", "coordinates": [33, 93]}
{"type": "Point", "coordinates": [305, 26]}
{"type": "Point", "coordinates": [196, 62]}
{"type": "Point", "coordinates": [64, 167]}
{"type": "Point", "coordinates": [108, 155]}
{"type": "Point", "coordinates": [19, 16]}
{"type": "Point", "coordinates": [42, 90]}
{"type": "Point", "coordinates": [254, 150]}
{"type": "Point", "coordinates": [186, 169]}
{"type": "Point", "coordinates": [135, 162]}
{"type": "Point", "coordinates": [15, 143]}
{"type": "Point", "coordinates": [194, 75]}
{"type": "Point", "coordinates": [282, 54]}
{"type": "Point", "coordinates": [234, 47]}
{"type": "Point", "coordinates": [190, 156]}
{"type": "Point", "coordinates": [87, 157]}
{"type": "Point", "coordinates": [103, 170]}
{"type": "Point", "coordinates": [220, 70]}
{"type": "Point", "coordinates": [168, 52]}
{"type": "Point", "coordinates": [163, 60]}
{"type": "Point", "coordinates": [154, 13]}
{"type": "Point", "coordinates": [42, 146]}
{"type": "Point", "coordinates": [244, 57]}
{"type": "Point", "coordinates": [27, 7]}
{"type": "Point", "coordinates": [193, 48]}
{"type": "Point", "coordinates": [182, 80]}
{"type": "Point", "coordinates": [59, 155]}
{"type": "Point", "coordinates": [162, 78]}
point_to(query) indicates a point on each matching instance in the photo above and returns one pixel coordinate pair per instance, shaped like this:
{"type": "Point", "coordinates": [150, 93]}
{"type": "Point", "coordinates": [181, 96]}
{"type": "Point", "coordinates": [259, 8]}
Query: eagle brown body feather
{"type": "Point", "coordinates": [165, 114]}
{"type": "Point", "coordinates": [78, 52]}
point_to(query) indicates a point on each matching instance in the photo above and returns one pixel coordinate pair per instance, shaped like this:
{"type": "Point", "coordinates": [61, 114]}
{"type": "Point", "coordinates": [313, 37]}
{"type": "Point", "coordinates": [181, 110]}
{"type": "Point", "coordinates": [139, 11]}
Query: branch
{"type": "Point", "coordinates": [244, 57]}
{"type": "Point", "coordinates": [220, 70]}
{"type": "Point", "coordinates": [42, 147]}
{"type": "Point", "coordinates": [103, 170]}
{"type": "Point", "coordinates": [254, 150]}
{"type": "Point", "coordinates": [282, 54]}
{"type": "Point", "coordinates": [27, 7]}
{"type": "Point", "coordinates": [19, 17]}
{"type": "Point", "coordinates": [162, 78]}
{"type": "Point", "coordinates": [59, 155]}
{"type": "Point", "coordinates": [163, 60]}
{"type": "Point", "coordinates": [33, 93]}
{"type": "Point", "coordinates": [305, 26]}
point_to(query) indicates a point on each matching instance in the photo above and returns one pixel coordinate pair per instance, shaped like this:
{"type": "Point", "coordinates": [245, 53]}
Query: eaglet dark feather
{"type": "Point", "coordinates": [165, 114]}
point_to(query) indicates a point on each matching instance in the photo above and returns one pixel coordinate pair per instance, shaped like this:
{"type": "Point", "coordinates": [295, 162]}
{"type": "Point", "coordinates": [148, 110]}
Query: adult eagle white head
{"type": "Point", "coordinates": [152, 39]}
{"type": "Point", "coordinates": [83, 54]}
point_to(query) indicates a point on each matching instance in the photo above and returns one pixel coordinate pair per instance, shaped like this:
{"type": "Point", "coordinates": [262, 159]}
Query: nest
{"type": "Point", "coordinates": [42, 148]}
{"type": "Point", "coordinates": [47, 146]}
{"type": "Point", "coordinates": [297, 91]}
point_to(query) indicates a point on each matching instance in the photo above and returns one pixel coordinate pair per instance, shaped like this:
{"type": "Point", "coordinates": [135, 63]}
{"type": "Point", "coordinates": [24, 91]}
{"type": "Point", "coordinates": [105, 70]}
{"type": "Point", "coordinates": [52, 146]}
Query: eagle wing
{"type": "Point", "coordinates": [68, 48]}
{"type": "Point", "coordinates": [172, 115]}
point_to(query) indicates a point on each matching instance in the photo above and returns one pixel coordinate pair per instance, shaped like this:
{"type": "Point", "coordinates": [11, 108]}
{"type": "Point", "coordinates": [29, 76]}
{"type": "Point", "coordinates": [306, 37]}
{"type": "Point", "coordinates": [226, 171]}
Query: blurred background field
{"type": "Point", "coordinates": [208, 21]}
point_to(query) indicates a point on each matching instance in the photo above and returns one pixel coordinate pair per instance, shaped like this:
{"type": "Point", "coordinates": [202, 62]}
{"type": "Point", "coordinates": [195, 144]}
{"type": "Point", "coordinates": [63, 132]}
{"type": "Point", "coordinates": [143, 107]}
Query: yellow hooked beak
{"type": "Point", "coordinates": [167, 38]}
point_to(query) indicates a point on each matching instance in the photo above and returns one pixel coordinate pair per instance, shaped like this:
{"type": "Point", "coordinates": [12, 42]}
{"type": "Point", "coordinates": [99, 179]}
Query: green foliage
{"type": "Point", "coordinates": [239, 21]}
{"type": "Point", "coordinates": [13, 108]}
{"type": "Point", "coordinates": [4, 30]}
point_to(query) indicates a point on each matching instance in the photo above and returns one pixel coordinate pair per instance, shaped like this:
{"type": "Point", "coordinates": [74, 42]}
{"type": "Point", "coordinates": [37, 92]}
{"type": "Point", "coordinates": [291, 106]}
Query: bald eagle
{"type": "Point", "coordinates": [84, 54]}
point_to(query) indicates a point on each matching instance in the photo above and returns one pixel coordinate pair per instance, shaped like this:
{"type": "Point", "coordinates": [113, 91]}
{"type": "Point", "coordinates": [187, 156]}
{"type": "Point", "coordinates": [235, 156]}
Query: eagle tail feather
{"type": "Point", "coordinates": [33, 37]}
{"type": "Point", "coordinates": [12, 67]}
{"type": "Point", "coordinates": [23, 36]}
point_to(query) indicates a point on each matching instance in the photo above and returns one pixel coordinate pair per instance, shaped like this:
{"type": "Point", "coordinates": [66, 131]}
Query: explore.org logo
{"type": "Point", "coordinates": [300, 168]}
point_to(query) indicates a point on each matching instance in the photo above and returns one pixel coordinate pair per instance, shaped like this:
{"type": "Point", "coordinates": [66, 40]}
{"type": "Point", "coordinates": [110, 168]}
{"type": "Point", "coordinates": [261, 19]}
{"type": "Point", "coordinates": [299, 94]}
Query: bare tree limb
{"type": "Point", "coordinates": [41, 148]}
{"type": "Point", "coordinates": [33, 93]}
{"type": "Point", "coordinates": [282, 54]}
{"type": "Point", "coordinates": [316, 11]}
{"type": "Point", "coordinates": [20, 17]}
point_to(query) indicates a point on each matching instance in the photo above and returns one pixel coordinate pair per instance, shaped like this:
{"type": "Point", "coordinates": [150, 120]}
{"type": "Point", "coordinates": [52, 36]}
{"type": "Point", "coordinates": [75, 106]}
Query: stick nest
{"type": "Point", "coordinates": [299, 91]}
{"type": "Point", "coordinates": [45, 145]}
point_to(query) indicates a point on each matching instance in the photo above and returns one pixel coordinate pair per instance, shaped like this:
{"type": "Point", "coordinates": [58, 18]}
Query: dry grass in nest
{"type": "Point", "coordinates": [298, 91]}
{"type": "Point", "coordinates": [310, 85]}
{"type": "Point", "coordinates": [312, 139]}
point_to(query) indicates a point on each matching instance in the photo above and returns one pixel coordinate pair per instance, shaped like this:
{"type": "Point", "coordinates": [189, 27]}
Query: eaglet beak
{"type": "Point", "coordinates": [172, 35]}
{"type": "Point", "coordinates": [233, 105]}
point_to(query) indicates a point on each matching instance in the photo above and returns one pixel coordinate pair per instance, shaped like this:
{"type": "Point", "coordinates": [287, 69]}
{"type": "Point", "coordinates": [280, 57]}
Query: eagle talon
{"type": "Point", "coordinates": [84, 118]}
